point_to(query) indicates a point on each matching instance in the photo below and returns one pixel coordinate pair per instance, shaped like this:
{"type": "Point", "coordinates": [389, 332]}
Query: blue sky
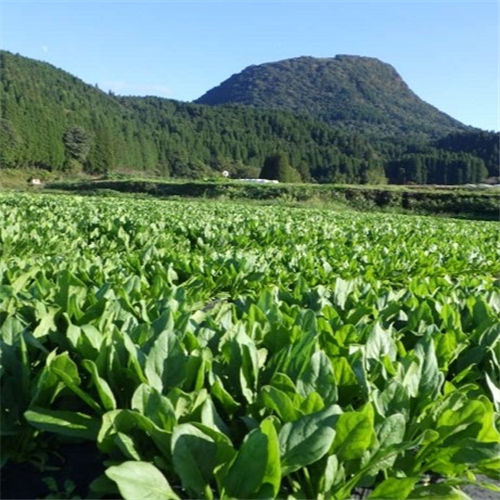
{"type": "Point", "coordinates": [446, 50]}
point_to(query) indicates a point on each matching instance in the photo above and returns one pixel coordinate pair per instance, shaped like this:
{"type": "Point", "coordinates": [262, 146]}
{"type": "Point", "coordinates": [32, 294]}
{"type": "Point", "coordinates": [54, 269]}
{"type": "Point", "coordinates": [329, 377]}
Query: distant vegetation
{"type": "Point", "coordinates": [53, 121]}
{"type": "Point", "coordinates": [360, 94]}
{"type": "Point", "coordinates": [400, 199]}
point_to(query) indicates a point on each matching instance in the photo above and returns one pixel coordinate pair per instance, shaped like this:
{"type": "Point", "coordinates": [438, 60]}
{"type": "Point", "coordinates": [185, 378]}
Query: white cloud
{"type": "Point", "coordinates": [45, 48]}
{"type": "Point", "coordinates": [132, 88]}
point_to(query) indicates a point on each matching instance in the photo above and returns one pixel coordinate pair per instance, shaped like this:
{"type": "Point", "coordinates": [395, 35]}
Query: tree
{"type": "Point", "coordinates": [9, 144]}
{"type": "Point", "coordinates": [101, 159]}
{"type": "Point", "coordinates": [304, 172]}
{"type": "Point", "coordinates": [276, 167]}
{"type": "Point", "coordinates": [77, 142]}
{"type": "Point", "coordinates": [373, 173]}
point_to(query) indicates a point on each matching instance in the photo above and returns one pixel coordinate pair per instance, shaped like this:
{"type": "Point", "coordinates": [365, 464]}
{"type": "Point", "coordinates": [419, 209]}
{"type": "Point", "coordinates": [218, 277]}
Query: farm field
{"type": "Point", "coordinates": [216, 350]}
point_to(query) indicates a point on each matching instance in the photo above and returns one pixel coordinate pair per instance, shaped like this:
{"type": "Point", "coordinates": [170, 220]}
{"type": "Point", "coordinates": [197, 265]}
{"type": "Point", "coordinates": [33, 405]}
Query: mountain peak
{"type": "Point", "coordinates": [349, 91]}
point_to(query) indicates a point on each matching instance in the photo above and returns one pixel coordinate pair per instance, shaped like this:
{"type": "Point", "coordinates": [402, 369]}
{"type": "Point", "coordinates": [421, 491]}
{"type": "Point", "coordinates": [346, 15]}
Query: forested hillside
{"type": "Point", "coordinates": [46, 111]}
{"type": "Point", "coordinates": [485, 145]}
{"type": "Point", "coordinates": [52, 120]}
{"type": "Point", "coordinates": [356, 93]}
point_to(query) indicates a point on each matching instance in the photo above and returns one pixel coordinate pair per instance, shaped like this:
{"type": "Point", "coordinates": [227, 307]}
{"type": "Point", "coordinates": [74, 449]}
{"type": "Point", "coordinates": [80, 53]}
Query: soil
{"type": "Point", "coordinates": [25, 481]}
{"type": "Point", "coordinates": [477, 493]}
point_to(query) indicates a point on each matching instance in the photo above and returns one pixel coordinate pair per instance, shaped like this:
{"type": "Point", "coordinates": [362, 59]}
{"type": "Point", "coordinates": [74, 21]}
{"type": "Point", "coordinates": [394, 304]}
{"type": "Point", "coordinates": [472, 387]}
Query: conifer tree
{"type": "Point", "coordinates": [78, 143]}
{"type": "Point", "coordinates": [276, 167]}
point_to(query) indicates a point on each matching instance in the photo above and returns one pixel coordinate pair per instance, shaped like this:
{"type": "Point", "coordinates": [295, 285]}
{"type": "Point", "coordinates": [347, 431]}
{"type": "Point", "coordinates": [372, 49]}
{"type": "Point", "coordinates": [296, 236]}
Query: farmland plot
{"type": "Point", "coordinates": [222, 351]}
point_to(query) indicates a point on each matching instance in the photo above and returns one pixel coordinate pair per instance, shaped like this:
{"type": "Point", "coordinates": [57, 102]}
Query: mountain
{"type": "Point", "coordinates": [46, 113]}
{"type": "Point", "coordinates": [353, 92]}
{"type": "Point", "coordinates": [51, 120]}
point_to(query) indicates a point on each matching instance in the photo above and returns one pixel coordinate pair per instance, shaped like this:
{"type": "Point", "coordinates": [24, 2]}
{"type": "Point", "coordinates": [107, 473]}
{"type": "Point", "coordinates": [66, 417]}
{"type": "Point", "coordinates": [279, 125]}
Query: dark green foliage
{"type": "Point", "coordinates": [437, 167]}
{"type": "Point", "coordinates": [277, 167]}
{"type": "Point", "coordinates": [356, 93]}
{"type": "Point", "coordinates": [473, 204]}
{"type": "Point", "coordinates": [304, 172]}
{"type": "Point", "coordinates": [10, 143]}
{"type": "Point", "coordinates": [53, 121]}
{"type": "Point", "coordinates": [479, 143]}
{"type": "Point", "coordinates": [150, 134]}
{"type": "Point", "coordinates": [77, 143]}
{"type": "Point", "coordinates": [101, 157]}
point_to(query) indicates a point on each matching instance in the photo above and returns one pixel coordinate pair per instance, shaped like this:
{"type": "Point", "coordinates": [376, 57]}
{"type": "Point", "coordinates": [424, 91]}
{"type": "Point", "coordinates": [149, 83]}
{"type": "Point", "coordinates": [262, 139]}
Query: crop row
{"type": "Point", "coordinates": [223, 351]}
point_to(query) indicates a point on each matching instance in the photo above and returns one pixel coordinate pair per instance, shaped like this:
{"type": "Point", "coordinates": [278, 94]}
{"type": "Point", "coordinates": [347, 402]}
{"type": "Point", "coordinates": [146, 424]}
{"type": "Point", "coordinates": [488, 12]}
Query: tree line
{"type": "Point", "coordinates": [52, 120]}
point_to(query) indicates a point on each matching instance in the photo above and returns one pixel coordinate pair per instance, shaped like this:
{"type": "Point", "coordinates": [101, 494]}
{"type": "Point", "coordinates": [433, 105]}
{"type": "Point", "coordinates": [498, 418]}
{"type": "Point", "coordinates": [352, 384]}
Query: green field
{"type": "Point", "coordinates": [217, 350]}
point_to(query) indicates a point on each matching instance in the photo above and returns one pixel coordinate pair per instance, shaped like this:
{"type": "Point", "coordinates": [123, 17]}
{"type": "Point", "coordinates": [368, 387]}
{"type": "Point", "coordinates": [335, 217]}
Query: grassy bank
{"type": "Point", "coordinates": [405, 199]}
{"type": "Point", "coordinates": [13, 178]}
